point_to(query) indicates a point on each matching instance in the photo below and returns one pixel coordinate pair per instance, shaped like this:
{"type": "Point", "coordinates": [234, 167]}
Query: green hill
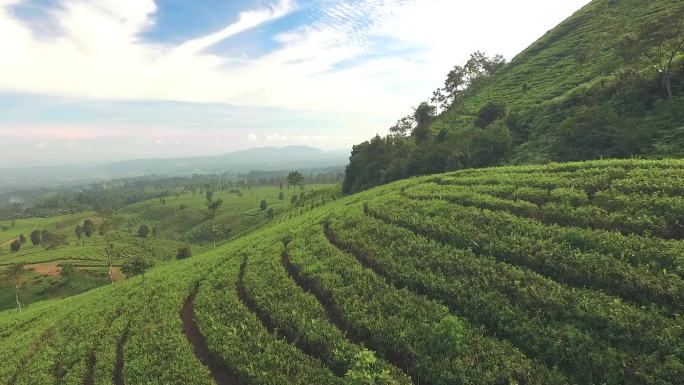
{"type": "Point", "coordinates": [588, 89]}
{"type": "Point", "coordinates": [560, 274]}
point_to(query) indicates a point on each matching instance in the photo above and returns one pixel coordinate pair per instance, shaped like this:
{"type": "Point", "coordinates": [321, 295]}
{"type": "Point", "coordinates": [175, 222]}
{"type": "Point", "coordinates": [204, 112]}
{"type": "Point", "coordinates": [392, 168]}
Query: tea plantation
{"type": "Point", "coordinates": [560, 274]}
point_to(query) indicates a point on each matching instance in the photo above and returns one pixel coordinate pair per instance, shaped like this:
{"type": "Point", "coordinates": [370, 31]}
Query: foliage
{"type": "Point", "coordinates": [606, 82]}
{"type": "Point", "coordinates": [184, 253]}
{"type": "Point", "coordinates": [136, 266]}
{"type": "Point", "coordinates": [143, 231]}
{"type": "Point", "coordinates": [15, 245]}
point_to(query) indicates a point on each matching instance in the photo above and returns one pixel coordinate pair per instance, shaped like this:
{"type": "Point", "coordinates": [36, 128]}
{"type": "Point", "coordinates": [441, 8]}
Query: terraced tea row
{"type": "Point", "coordinates": [398, 285]}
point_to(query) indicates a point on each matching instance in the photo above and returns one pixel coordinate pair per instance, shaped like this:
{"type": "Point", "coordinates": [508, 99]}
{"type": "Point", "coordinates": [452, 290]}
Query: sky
{"type": "Point", "coordinates": [101, 80]}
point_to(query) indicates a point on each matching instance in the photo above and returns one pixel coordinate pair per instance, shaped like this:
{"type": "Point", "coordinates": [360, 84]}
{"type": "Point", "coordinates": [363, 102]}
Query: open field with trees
{"type": "Point", "coordinates": [71, 253]}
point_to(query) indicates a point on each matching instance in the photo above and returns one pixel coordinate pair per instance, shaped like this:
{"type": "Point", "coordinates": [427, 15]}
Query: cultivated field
{"type": "Point", "coordinates": [560, 274]}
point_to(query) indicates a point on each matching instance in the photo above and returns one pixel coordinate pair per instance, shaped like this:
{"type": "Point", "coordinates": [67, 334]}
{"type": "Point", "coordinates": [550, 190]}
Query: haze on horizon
{"type": "Point", "coordinates": [101, 80]}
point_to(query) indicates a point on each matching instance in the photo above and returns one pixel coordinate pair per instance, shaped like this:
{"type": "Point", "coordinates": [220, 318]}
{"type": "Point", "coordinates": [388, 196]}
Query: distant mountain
{"type": "Point", "coordinates": [253, 159]}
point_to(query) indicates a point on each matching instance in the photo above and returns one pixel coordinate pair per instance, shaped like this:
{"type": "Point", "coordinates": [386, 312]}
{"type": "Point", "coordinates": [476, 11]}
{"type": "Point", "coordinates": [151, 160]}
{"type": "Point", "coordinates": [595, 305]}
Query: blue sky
{"type": "Point", "coordinates": [121, 79]}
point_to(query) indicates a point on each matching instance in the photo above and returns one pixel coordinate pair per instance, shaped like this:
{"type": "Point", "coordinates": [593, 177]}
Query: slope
{"type": "Point", "coordinates": [587, 89]}
{"type": "Point", "coordinates": [559, 274]}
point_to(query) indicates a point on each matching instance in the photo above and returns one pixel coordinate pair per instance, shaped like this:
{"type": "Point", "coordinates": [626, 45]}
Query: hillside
{"type": "Point", "coordinates": [588, 89]}
{"type": "Point", "coordinates": [176, 219]}
{"type": "Point", "coordinates": [560, 274]}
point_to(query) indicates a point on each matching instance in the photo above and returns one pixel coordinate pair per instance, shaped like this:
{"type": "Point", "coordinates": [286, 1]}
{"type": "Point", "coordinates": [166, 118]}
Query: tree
{"type": "Point", "coordinates": [295, 178]}
{"type": "Point", "coordinates": [489, 113]}
{"type": "Point", "coordinates": [88, 228]}
{"type": "Point", "coordinates": [15, 245]}
{"type": "Point", "coordinates": [263, 205]}
{"type": "Point", "coordinates": [281, 196]}
{"type": "Point", "coordinates": [22, 239]}
{"type": "Point", "coordinates": [35, 237]}
{"type": "Point", "coordinates": [209, 196]}
{"type": "Point", "coordinates": [184, 252]}
{"type": "Point", "coordinates": [52, 240]}
{"type": "Point", "coordinates": [403, 126]}
{"type": "Point", "coordinates": [143, 231]}
{"type": "Point", "coordinates": [110, 222]}
{"type": "Point", "coordinates": [423, 116]}
{"type": "Point", "coordinates": [663, 41]}
{"type": "Point", "coordinates": [79, 232]}
{"type": "Point", "coordinates": [212, 208]}
{"type": "Point", "coordinates": [14, 274]}
{"type": "Point", "coordinates": [136, 266]}
{"type": "Point", "coordinates": [467, 77]}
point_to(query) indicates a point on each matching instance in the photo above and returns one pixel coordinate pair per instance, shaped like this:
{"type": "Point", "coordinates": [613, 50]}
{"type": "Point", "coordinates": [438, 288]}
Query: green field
{"type": "Point", "coordinates": [179, 219]}
{"type": "Point", "coordinates": [560, 274]}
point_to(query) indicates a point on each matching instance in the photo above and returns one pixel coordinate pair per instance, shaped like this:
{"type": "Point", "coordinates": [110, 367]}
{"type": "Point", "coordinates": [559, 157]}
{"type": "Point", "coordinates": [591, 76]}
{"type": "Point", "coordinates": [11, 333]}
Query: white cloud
{"type": "Point", "coordinates": [99, 53]}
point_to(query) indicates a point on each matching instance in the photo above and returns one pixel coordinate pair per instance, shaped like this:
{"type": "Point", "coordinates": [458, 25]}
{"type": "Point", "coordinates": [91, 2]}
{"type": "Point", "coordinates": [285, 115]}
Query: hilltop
{"type": "Point", "coordinates": [560, 274]}
{"type": "Point", "coordinates": [593, 87]}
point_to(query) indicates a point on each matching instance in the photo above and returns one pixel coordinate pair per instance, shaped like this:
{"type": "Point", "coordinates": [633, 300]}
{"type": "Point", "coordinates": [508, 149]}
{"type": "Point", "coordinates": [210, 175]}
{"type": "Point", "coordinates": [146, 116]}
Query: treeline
{"type": "Point", "coordinates": [117, 193]}
{"type": "Point", "coordinates": [416, 145]}
{"type": "Point", "coordinates": [629, 73]}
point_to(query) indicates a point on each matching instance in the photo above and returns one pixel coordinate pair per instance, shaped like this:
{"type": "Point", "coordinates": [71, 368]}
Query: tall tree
{"type": "Point", "coordinates": [295, 178]}
{"type": "Point", "coordinates": [212, 208]}
{"type": "Point", "coordinates": [423, 116]}
{"type": "Point", "coordinates": [108, 227]}
{"type": "Point", "coordinates": [79, 232]}
{"type": "Point", "coordinates": [263, 205]}
{"type": "Point", "coordinates": [663, 41]}
{"type": "Point", "coordinates": [35, 237]}
{"type": "Point", "coordinates": [15, 245]}
{"type": "Point", "coordinates": [143, 231]}
{"type": "Point", "coordinates": [88, 227]}
{"type": "Point", "coordinates": [14, 272]}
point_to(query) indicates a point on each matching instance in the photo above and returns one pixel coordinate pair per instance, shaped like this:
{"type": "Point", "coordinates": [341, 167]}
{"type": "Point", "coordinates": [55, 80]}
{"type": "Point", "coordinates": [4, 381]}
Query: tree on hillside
{"type": "Point", "coordinates": [15, 245]}
{"type": "Point", "coordinates": [423, 116]}
{"type": "Point", "coordinates": [209, 196]}
{"type": "Point", "coordinates": [136, 266]}
{"type": "Point", "coordinates": [403, 126]}
{"type": "Point", "coordinates": [143, 231]}
{"type": "Point", "coordinates": [22, 239]}
{"type": "Point", "coordinates": [79, 232]}
{"type": "Point", "coordinates": [212, 208]}
{"type": "Point", "coordinates": [295, 178]}
{"type": "Point", "coordinates": [52, 240]}
{"type": "Point", "coordinates": [35, 237]}
{"type": "Point", "coordinates": [489, 113]}
{"type": "Point", "coordinates": [263, 205]}
{"type": "Point", "coordinates": [663, 41]}
{"type": "Point", "coordinates": [88, 228]}
{"type": "Point", "coordinates": [110, 222]}
{"type": "Point", "coordinates": [14, 273]}
{"type": "Point", "coordinates": [462, 78]}
{"type": "Point", "coordinates": [184, 252]}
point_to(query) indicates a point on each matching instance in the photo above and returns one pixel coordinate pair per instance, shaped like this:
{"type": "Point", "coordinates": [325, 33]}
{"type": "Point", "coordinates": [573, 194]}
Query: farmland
{"type": "Point", "coordinates": [176, 220]}
{"type": "Point", "coordinates": [559, 274]}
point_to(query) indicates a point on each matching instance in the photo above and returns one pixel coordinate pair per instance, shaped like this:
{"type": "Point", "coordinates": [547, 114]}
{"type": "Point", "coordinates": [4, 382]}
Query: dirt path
{"type": "Point", "coordinates": [119, 362]}
{"type": "Point", "coordinates": [219, 371]}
